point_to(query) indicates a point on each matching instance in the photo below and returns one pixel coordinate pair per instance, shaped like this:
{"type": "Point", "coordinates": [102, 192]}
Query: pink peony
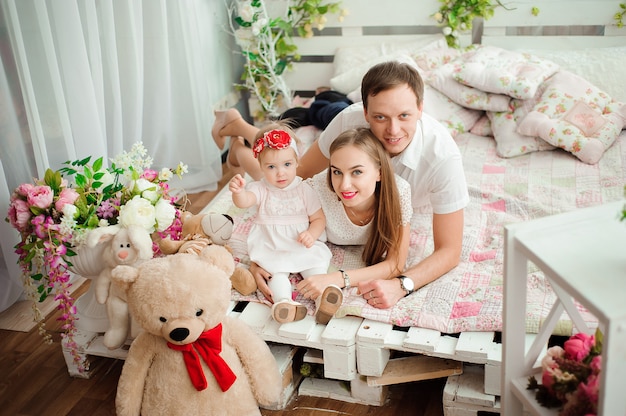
{"type": "Point", "coordinates": [19, 214]}
{"type": "Point", "coordinates": [596, 364]}
{"type": "Point", "coordinates": [578, 346]}
{"type": "Point", "coordinates": [24, 189]}
{"type": "Point", "coordinates": [150, 174]}
{"type": "Point", "coordinates": [67, 196]}
{"type": "Point", "coordinates": [590, 389]}
{"type": "Point", "coordinates": [40, 196]}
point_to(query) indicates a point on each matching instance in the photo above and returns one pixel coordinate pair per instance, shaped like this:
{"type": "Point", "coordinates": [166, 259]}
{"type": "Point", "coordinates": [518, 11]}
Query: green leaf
{"type": "Point", "coordinates": [242, 22]}
{"type": "Point", "coordinates": [280, 67]}
{"type": "Point", "coordinates": [83, 162]}
{"type": "Point", "coordinates": [80, 181]}
{"type": "Point", "coordinates": [97, 165]}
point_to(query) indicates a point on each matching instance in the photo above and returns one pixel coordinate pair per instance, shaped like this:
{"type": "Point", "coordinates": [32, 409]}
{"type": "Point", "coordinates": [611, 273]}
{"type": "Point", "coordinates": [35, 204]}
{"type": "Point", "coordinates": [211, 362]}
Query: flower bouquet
{"type": "Point", "coordinates": [54, 217]}
{"type": "Point", "coordinates": [571, 376]}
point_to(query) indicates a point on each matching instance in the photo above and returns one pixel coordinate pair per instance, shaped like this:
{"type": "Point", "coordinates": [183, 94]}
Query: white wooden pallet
{"type": "Point", "coordinates": [463, 395]}
{"type": "Point", "coordinates": [376, 340]}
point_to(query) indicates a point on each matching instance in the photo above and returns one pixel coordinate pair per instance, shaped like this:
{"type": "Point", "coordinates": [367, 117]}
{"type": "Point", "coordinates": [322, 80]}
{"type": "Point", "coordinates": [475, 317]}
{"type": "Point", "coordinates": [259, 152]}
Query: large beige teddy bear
{"type": "Point", "coordinates": [191, 357]}
{"type": "Point", "coordinates": [202, 230]}
{"type": "Point", "coordinates": [129, 246]}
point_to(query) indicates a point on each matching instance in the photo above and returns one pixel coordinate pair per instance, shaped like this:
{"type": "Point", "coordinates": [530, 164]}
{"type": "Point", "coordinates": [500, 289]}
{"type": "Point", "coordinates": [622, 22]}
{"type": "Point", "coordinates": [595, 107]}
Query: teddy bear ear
{"type": "Point", "coordinates": [124, 276]}
{"type": "Point", "coordinates": [219, 227]}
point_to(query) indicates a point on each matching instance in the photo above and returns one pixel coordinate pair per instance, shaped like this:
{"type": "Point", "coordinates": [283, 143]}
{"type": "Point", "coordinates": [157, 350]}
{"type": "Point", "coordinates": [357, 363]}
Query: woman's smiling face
{"type": "Point", "coordinates": [354, 176]}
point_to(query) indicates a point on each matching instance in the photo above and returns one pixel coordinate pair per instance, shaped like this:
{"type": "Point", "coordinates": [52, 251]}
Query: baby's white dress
{"type": "Point", "coordinates": [282, 214]}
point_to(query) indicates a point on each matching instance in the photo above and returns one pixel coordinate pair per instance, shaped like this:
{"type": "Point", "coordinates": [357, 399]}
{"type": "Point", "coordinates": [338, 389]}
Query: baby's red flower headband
{"type": "Point", "coordinates": [274, 139]}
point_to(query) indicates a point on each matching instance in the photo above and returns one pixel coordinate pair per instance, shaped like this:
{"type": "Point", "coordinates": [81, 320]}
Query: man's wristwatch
{"type": "Point", "coordinates": [407, 284]}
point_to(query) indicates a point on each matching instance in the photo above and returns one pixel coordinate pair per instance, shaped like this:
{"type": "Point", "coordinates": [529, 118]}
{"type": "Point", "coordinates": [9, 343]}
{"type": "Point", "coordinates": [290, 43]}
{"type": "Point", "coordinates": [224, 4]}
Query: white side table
{"type": "Point", "coordinates": [583, 254]}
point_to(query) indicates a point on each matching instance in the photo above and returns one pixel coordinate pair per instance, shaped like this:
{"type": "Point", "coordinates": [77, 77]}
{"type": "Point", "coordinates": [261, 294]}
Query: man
{"type": "Point", "coordinates": [423, 153]}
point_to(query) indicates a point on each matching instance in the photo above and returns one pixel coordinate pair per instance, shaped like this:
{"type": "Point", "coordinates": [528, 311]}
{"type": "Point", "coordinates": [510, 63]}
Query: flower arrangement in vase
{"type": "Point", "coordinates": [54, 217]}
{"type": "Point", "coordinates": [570, 377]}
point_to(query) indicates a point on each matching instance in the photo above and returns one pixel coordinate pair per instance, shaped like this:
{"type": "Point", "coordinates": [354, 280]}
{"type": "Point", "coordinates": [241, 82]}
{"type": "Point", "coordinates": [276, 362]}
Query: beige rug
{"type": "Point", "coordinates": [19, 317]}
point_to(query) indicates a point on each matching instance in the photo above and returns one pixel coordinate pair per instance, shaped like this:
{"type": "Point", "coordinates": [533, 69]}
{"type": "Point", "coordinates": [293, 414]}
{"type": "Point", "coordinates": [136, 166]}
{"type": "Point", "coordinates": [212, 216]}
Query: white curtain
{"type": "Point", "coordinates": [92, 77]}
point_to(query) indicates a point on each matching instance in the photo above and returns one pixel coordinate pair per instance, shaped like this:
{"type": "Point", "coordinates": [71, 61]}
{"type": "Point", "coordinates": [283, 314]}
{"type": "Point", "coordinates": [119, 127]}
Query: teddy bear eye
{"type": "Point", "coordinates": [162, 319]}
{"type": "Point", "coordinates": [199, 312]}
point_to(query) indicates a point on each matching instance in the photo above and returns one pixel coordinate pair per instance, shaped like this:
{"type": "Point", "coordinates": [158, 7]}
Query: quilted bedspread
{"type": "Point", "coordinates": [502, 191]}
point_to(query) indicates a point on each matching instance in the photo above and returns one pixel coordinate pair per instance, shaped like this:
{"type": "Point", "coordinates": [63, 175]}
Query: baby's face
{"type": "Point", "coordinates": [279, 166]}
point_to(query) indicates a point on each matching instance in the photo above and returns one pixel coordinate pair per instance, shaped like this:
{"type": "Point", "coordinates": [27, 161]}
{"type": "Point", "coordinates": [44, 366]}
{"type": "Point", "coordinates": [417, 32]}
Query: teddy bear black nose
{"type": "Point", "coordinates": [179, 334]}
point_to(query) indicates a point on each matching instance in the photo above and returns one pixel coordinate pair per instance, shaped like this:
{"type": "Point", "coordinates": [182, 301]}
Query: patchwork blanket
{"type": "Point", "coordinates": [502, 191]}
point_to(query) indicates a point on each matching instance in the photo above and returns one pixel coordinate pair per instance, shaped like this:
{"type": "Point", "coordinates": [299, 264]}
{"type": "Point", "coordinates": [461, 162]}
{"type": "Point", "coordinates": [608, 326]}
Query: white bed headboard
{"type": "Point", "coordinates": [560, 24]}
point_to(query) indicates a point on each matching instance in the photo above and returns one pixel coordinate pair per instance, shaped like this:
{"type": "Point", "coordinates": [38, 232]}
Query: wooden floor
{"type": "Point", "coordinates": [34, 380]}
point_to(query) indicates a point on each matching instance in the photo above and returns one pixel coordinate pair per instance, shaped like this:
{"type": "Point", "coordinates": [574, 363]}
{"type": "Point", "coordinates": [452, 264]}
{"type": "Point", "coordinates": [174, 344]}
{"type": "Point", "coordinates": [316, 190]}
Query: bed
{"type": "Point", "coordinates": [535, 106]}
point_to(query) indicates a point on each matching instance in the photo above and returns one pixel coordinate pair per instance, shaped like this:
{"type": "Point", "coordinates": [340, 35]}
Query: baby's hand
{"type": "Point", "coordinates": [237, 184]}
{"type": "Point", "coordinates": [306, 239]}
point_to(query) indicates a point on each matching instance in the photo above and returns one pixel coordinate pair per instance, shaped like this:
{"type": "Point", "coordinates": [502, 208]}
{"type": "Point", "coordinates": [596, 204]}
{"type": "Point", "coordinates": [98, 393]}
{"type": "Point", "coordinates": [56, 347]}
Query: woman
{"type": "Point", "coordinates": [365, 203]}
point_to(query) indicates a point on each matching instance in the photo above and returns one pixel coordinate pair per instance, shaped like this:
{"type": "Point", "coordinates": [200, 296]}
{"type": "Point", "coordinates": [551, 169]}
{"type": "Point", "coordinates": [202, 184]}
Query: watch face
{"type": "Point", "coordinates": [408, 284]}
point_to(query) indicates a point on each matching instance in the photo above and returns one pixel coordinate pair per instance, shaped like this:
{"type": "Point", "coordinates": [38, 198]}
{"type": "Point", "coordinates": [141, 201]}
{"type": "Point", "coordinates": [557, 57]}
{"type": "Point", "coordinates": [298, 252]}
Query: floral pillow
{"type": "Point", "coordinates": [456, 118]}
{"type": "Point", "coordinates": [509, 142]}
{"type": "Point", "coordinates": [482, 127]}
{"type": "Point", "coordinates": [438, 66]}
{"type": "Point", "coordinates": [576, 116]}
{"type": "Point", "coordinates": [443, 79]}
{"type": "Point", "coordinates": [496, 70]}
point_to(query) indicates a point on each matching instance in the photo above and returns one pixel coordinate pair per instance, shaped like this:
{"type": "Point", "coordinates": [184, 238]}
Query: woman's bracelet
{"type": "Point", "coordinates": [346, 279]}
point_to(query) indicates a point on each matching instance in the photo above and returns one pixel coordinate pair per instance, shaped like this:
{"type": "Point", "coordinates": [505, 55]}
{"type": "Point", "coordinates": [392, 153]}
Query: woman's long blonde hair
{"type": "Point", "coordinates": [386, 234]}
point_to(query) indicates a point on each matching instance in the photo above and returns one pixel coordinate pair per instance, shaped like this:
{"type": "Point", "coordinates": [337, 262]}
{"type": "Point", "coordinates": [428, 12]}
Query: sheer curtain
{"type": "Point", "coordinates": [92, 77]}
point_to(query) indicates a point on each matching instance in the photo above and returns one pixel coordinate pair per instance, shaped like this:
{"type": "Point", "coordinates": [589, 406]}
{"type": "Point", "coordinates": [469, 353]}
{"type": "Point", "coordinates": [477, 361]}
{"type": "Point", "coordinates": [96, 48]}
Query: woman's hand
{"type": "Point", "coordinates": [312, 287]}
{"type": "Point", "coordinates": [381, 294]}
{"type": "Point", "coordinates": [261, 276]}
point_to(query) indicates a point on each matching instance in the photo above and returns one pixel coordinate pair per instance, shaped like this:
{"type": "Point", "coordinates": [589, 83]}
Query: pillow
{"type": "Point", "coordinates": [510, 143]}
{"type": "Point", "coordinates": [350, 80]}
{"type": "Point", "coordinates": [482, 127]}
{"type": "Point", "coordinates": [438, 66]}
{"type": "Point", "coordinates": [602, 67]}
{"type": "Point", "coordinates": [456, 118]}
{"type": "Point", "coordinates": [348, 57]}
{"type": "Point", "coordinates": [496, 70]}
{"type": "Point", "coordinates": [443, 80]}
{"type": "Point", "coordinates": [430, 59]}
{"type": "Point", "coordinates": [350, 71]}
{"type": "Point", "coordinates": [576, 116]}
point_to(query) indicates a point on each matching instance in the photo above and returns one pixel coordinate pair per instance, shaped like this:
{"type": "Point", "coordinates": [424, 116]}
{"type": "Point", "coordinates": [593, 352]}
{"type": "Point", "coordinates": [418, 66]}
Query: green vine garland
{"type": "Point", "coordinates": [458, 15]}
{"type": "Point", "coordinates": [268, 47]}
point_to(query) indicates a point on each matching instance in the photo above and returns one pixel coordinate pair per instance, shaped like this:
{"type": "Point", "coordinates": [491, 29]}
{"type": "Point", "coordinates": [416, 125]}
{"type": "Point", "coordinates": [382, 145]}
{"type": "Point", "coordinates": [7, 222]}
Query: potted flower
{"type": "Point", "coordinates": [570, 377]}
{"type": "Point", "coordinates": [54, 217]}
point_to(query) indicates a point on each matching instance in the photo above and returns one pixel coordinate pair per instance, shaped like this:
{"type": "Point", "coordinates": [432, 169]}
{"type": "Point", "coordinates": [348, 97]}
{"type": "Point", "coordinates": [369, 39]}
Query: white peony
{"type": "Point", "coordinates": [138, 211]}
{"type": "Point", "coordinates": [165, 214]}
{"type": "Point", "coordinates": [151, 195]}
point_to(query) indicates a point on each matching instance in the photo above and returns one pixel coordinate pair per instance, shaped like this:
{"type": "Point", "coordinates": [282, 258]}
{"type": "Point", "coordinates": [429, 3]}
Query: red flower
{"type": "Point", "coordinates": [258, 147]}
{"type": "Point", "coordinates": [274, 139]}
